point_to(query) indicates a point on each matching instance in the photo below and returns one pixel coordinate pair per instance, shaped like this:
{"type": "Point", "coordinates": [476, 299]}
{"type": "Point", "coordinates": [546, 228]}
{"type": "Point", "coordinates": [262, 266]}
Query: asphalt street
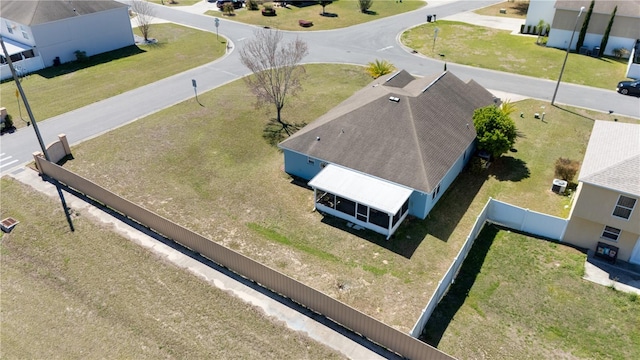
{"type": "Point", "coordinates": [358, 44]}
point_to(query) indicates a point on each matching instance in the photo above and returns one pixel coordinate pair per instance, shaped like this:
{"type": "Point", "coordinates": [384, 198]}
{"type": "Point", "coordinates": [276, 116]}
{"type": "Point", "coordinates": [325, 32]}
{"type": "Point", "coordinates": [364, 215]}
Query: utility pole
{"type": "Point", "coordinates": [35, 128]}
{"type": "Point", "coordinates": [553, 99]}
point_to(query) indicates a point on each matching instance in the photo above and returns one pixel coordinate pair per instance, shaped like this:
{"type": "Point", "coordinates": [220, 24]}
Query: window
{"type": "Point", "coordinates": [362, 212]}
{"type": "Point", "coordinates": [435, 192]}
{"type": "Point", "coordinates": [10, 28]}
{"type": "Point", "coordinates": [610, 233]}
{"type": "Point", "coordinates": [624, 207]}
{"type": "Point", "coordinates": [379, 218]}
{"type": "Point", "coordinates": [345, 206]}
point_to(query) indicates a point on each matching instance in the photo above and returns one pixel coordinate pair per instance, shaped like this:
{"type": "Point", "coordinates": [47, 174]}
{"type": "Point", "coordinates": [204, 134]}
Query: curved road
{"type": "Point", "coordinates": [358, 44]}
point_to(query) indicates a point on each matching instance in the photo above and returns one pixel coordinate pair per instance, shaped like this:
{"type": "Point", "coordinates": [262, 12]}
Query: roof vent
{"type": "Point", "coordinates": [394, 99]}
{"type": "Point", "coordinates": [318, 138]}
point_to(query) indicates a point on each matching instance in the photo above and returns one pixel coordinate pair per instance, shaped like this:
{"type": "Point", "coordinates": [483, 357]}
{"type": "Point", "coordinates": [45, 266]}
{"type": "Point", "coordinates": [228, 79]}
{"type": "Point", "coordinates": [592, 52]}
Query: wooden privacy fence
{"type": "Point", "coordinates": [273, 280]}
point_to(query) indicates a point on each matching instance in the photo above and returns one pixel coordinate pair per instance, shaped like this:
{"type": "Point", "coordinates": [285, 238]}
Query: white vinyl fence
{"type": "Point", "coordinates": [501, 213]}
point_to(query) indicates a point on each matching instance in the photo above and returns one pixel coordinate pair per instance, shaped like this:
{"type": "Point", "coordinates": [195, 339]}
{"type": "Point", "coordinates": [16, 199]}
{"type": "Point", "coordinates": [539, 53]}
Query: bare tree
{"type": "Point", "coordinates": [275, 67]}
{"type": "Point", "coordinates": [144, 15]}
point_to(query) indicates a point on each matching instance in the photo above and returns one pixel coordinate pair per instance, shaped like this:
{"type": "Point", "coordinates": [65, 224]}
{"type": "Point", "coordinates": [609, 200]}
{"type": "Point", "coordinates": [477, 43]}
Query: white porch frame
{"type": "Point", "coordinates": [363, 190]}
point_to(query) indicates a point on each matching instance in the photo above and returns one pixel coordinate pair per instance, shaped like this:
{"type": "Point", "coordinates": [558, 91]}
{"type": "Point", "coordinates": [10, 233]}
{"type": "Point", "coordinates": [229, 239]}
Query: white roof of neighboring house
{"type": "Point", "coordinates": [612, 159]}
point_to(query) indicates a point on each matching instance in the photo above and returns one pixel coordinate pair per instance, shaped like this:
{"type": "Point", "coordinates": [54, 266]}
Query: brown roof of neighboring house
{"type": "Point", "coordinates": [630, 8]}
{"type": "Point", "coordinates": [35, 12]}
{"type": "Point", "coordinates": [612, 159]}
{"type": "Point", "coordinates": [403, 129]}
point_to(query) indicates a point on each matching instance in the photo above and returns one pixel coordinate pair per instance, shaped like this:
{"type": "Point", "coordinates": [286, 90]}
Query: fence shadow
{"type": "Point", "coordinates": [459, 290]}
{"type": "Point", "coordinates": [301, 309]}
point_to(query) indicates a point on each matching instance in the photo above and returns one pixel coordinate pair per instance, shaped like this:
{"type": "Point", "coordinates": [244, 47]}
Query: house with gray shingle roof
{"type": "Point", "coordinates": [390, 150]}
{"type": "Point", "coordinates": [39, 32]}
{"type": "Point", "coordinates": [605, 205]}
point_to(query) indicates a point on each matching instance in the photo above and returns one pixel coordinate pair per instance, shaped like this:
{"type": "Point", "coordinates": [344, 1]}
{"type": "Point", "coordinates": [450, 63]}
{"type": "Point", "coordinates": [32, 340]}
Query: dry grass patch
{"type": "Point", "coordinates": [210, 169]}
{"type": "Point", "coordinates": [92, 293]}
{"type": "Point", "coordinates": [514, 9]}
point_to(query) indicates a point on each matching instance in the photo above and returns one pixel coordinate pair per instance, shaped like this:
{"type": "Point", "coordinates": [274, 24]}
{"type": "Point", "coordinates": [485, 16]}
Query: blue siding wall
{"type": "Point", "coordinates": [298, 165]}
{"type": "Point", "coordinates": [420, 204]}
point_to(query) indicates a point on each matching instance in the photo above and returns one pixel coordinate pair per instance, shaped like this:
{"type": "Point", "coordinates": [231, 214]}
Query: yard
{"type": "Point", "coordinates": [57, 90]}
{"type": "Point", "coordinates": [339, 14]}
{"type": "Point", "coordinates": [519, 297]}
{"type": "Point", "coordinates": [92, 294]}
{"type": "Point", "coordinates": [495, 49]}
{"type": "Point", "coordinates": [210, 169]}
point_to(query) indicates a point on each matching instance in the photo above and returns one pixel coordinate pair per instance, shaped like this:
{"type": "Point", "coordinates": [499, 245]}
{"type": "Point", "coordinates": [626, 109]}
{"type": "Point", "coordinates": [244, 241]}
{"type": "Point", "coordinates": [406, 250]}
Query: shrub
{"type": "Point", "coordinates": [227, 8]}
{"type": "Point", "coordinates": [81, 56]}
{"type": "Point", "coordinates": [566, 169]}
{"type": "Point", "coordinates": [620, 52]}
{"type": "Point", "coordinates": [253, 5]}
{"type": "Point", "coordinates": [379, 68]}
{"type": "Point", "coordinates": [8, 122]}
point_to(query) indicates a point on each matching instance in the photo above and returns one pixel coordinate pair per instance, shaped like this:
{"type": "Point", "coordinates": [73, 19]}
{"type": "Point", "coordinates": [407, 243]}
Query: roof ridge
{"type": "Point", "coordinates": [417, 144]}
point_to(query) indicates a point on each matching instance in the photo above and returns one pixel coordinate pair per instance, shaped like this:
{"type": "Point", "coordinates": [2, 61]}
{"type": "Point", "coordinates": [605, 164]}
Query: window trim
{"type": "Point", "coordinates": [608, 230]}
{"type": "Point", "coordinates": [617, 205]}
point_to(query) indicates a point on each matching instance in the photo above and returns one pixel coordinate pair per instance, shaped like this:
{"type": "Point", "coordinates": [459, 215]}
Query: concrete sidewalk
{"type": "Point", "coordinates": [292, 315]}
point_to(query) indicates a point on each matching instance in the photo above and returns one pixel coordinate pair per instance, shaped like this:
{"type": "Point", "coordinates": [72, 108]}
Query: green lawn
{"type": "Point", "coordinates": [210, 169]}
{"type": "Point", "coordinates": [518, 297]}
{"type": "Point", "coordinates": [92, 293]}
{"type": "Point", "coordinates": [56, 90]}
{"type": "Point", "coordinates": [339, 14]}
{"type": "Point", "coordinates": [494, 49]}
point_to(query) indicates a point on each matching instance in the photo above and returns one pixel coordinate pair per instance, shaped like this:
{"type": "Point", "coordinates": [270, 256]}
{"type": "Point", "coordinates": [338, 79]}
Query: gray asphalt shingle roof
{"type": "Point", "coordinates": [413, 141]}
{"type": "Point", "coordinates": [612, 159]}
{"type": "Point", "coordinates": [35, 12]}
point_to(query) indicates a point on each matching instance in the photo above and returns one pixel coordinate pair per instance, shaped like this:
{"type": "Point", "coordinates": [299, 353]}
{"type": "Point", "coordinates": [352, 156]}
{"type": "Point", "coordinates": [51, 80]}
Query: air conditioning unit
{"type": "Point", "coordinates": [559, 186]}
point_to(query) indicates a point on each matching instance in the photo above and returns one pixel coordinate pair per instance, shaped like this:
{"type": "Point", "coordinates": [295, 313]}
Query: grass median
{"type": "Point", "coordinates": [57, 90]}
{"type": "Point", "coordinates": [488, 48]}
{"type": "Point", "coordinates": [209, 168]}
{"type": "Point", "coordinates": [94, 294]}
{"type": "Point", "coordinates": [338, 14]}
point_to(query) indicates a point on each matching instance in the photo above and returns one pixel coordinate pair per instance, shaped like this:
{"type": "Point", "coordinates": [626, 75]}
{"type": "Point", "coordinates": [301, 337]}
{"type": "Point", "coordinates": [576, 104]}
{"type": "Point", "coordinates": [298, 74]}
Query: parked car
{"type": "Point", "coordinates": [629, 87]}
{"type": "Point", "coordinates": [237, 4]}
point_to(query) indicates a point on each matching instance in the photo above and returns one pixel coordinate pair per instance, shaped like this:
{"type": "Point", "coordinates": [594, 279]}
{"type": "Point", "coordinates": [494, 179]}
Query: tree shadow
{"type": "Point", "coordinates": [70, 67]}
{"type": "Point", "coordinates": [455, 297]}
{"type": "Point", "coordinates": [508, 168]}
{"type": "Point", "coordinates": [370, 12]}
{"type": "Point", "coordinates": [274, 131]}
{"type": "Point", "coordinates": [328, 14]}
{"type": "Point", "coordinates": [521, 8]}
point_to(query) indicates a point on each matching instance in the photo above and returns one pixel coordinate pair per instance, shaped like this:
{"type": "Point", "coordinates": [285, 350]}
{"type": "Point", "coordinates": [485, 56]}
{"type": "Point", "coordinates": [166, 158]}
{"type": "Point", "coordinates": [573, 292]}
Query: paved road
{"type": "Point", "coordinates": [359, 44]}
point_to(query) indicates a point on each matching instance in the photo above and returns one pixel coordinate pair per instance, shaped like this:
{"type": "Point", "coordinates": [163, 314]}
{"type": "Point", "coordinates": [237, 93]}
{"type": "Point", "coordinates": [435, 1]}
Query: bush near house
{"type": "Point", "coordinates": [566, 169]}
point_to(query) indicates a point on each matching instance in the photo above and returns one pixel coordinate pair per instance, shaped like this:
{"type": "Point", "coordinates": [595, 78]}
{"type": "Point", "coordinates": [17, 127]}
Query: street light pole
{"type": "Point", "coordinates": [553, 99]}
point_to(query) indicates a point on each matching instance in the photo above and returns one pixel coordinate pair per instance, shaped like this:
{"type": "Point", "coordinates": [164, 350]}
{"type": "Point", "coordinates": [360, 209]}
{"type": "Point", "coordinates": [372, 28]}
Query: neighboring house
{"type": "Point", "coordinates": [42, 33]}
{"type": "Point", "coordinates": [562, 15]}
{"type": "Point", "coordinates": [605, 206]}
{"type": "Point", "coordinates": [390, 150]}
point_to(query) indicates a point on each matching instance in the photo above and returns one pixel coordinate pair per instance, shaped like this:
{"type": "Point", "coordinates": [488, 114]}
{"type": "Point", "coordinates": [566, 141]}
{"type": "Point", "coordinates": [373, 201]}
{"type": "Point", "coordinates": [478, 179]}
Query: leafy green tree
{"type": "Point", "coordinates": [585, 25]}
{"type": "Point", "coordinates": [365, 5]}
{"type": "Point", "coordinates": [379, 68]}
{"type": "Point", "coordinates": [605, 37]}
{"type": "Point", "coordinates": [496, 132]}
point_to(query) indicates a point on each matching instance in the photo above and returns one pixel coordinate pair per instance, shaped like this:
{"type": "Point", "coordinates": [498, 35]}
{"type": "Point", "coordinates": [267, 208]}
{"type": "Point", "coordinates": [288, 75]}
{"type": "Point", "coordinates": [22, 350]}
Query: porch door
{"type": "Point", "coordinates": [635, 254]}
